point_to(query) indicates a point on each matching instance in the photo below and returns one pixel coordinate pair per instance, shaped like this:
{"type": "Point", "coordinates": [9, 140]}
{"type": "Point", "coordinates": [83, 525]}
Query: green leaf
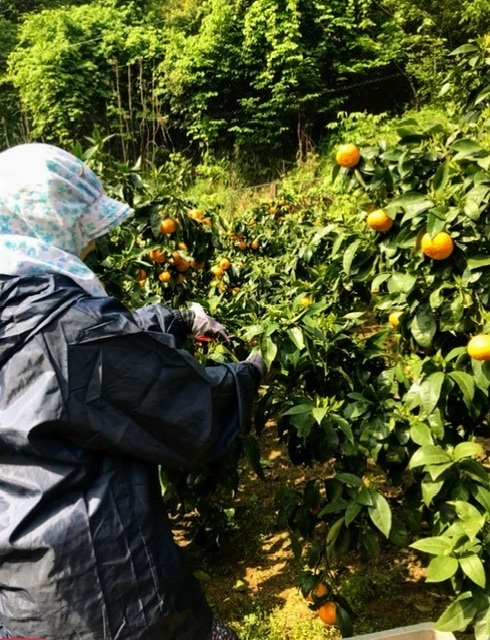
{"type": "Point", "coordinates": [424, 326]}
{"type": "Point", "coordinates": [351, 513]}
{"type": "Point", "coordinates": [435, 545]}
{"type": "Point", "coordinates": [344, 425]}
{"type": "Point", "coordinates": [430, 489]}
{"type": "Point", "coordinates": [297, 338]}
{"type": "Point", "coordinates": [401, 283]}
{"type": "Point", "coordinates": [477, 262]}
{"type": "Point", "coordinates": [466, 384]}
{"type": "Point", "coordinates": [429, 454]}
{"type": "Point", "coordinates": [430, 391]}
{"type": "Point", "coordinates": [458, 615]}
{"type": "Point", "coordinates": [467, 147]}
{"type": "Point", "coordinates": [380, 513]}
{"type": "Point", "coordinates": [251, 449]}
{"type": "Point", "coordinates": [482, 496]}
{"type": "Point", "coordinates": [269, 350]}
{"type": "Point", "coordinates": [411, 202]}
{"type": "Point", "coordinates": [483, 95]}
{"type": "Point", "coordinates": [464, 48]}
{"type": "Point", "coordinates": [441, 568]}
{"type": "Point", "coordinates": [319, 413]}
{"type": "Point", "coordinates": [467, 450]}
{"type": "Point", "coordinates": [472, 566]}
{"type": "Point", "coordinates": [349, 255]}
{"type": "Point", "coordinates": [350, 479]}
{"type": "Point", "coordinates": [441, 176]}
{"type": "Point", "coordinates": [421, 434]}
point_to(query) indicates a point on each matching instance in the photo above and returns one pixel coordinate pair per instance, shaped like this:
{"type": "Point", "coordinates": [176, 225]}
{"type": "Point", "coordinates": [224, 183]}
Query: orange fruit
{"type": "Point", "coordinates": [320, 590]}
{"type": "Point", "coordinates": [157, 255]}
{"type": "Point", "coordinates": [217, 271]}
{"type": "Point", "coordinates": [437, 247]}
{"type": "Point", "coordinates": [142, 282]}
{"type": "Point", "coordinates": [305, 300]}
{"type": "Point", "coordinates": [197, 265]}
{"type": "Point", "coordinates": [348, 155]}
{"type": "Point", "coordinates": [182, 246]}
{"type": "Point", "coordinates": [181, 277]}
{"type": "Point", "coordinates": [379, 220]}
{"type": "Point", "coordinates": [224, 264]}
{"type": "Point", "coordinates": [242, 245]}
{"type": "Point", "coordinates": [328, 613]}
{"type": "Point", "coordinates": [181, 264]}
{"type": "Point", "coordinates": [255, 244]}
{"type": "Point", "coordinates": [168, 226]}
{"type": "Point", "coordinates": [164, 276]}
{"type": "Point", "coordinates": [394, 318]}
{"type": "Point", "coordinates": [479, 347]}
{"type": "Point", "coordinates": [195, 214]}
{"type": "Point", "coordinates": [206, 221]}
{"type": "Point", "coordinates": [141, 275]}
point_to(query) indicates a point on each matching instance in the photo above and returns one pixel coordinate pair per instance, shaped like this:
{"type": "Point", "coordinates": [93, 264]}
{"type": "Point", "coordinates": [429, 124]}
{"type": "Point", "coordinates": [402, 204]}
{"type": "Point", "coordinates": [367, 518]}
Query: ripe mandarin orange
{"type": "Point", "coordinates": [168, 226]}
{"type": "Point", "coordinates": [328, 613]}
{"type": "Point", "coordinates": [479, 347]}
{"type": "Point", "coordinates": [217, 271]}
{"type": "Point", "coordinates": [437, 247]}
{"type": "Point", "coordinates": [379, 220]}
{"type": "Point", "coordinates": [394, 318]}
{"type": "Point", "coordinates": [164, 276]}
{"type": "Point", "coordinates": [157, 255]}
{"type": "Point", "coordinates": [255, 244]}
{"type": "Point", "coordinates": [348, 155]}
{"type": "Point", "coordinates": [225, 264]}
{"type": "Point", "coordinates": [320, 590]}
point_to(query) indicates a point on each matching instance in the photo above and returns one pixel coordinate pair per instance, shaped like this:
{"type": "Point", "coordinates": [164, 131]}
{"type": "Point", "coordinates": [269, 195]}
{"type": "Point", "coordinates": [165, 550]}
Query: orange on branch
{"type": "Point", "coordinates": [217, 271]}
{"type": "Point", "coordinates": [164, 276]}
{"type": "Point", "coordinates": [379, 220]}
{"type": "Point", "coordinates": [157, 255]}
{"type": "Point", "coordinates": [224, 264]}
{"type": "Point", "coordinates": [348, 155]}
{"type": "Point", "coordinates": [328, 613]}
{"type": "Point", "coordinates": [438, 247]}
{"type": "Point", "coordinates": [394, 318]}
{"type": "Point", "coordinates": [168, 226]}
{"type": "Point", "coordinates": [479, 347]}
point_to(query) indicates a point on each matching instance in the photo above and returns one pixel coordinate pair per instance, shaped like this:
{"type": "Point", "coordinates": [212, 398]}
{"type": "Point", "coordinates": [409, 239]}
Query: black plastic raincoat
{"type": "Point", "coordinates": [91, 402]}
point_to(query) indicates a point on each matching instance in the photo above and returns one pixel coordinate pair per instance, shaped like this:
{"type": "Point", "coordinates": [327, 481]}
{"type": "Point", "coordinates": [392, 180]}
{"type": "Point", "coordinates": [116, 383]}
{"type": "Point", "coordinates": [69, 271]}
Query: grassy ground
{"type": "Point", "coordinates": [251, 580]}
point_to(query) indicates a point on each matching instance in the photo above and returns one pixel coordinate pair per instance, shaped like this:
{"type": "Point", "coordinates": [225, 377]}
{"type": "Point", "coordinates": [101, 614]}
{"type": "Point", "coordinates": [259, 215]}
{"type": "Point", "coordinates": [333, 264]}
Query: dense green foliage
{"type": "Point", "coordinates": [249, 79]}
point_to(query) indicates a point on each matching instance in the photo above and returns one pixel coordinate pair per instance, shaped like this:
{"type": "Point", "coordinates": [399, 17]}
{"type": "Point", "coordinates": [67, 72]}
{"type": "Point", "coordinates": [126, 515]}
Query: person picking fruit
{"type": "Point", "coordinates": [93, 399]}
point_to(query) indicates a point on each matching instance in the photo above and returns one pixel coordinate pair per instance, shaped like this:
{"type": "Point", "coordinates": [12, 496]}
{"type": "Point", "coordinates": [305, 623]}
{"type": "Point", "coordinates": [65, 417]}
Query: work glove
{"type": "Point", "coordinates": [256, 360]}
{"type": "Point", "coordinates": [204, 325]}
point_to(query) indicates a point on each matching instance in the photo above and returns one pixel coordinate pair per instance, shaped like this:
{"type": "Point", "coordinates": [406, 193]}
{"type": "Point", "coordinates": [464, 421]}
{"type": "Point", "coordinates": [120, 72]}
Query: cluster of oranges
{"type": "Point", "coordinates": [438, 246]}
{"type": "Point", "coordinates": [327, 607]}
{"type": "Point", "coordinates": [241, 243]}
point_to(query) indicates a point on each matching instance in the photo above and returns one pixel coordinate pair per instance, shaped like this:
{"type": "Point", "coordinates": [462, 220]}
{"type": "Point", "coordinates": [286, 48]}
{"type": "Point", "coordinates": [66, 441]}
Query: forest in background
{"type": "Point", "coordinates": [256, 82]}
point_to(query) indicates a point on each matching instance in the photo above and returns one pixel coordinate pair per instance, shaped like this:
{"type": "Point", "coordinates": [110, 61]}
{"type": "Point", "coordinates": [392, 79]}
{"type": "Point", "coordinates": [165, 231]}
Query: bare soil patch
{"type": "Point", "coordinates": [254, 569]}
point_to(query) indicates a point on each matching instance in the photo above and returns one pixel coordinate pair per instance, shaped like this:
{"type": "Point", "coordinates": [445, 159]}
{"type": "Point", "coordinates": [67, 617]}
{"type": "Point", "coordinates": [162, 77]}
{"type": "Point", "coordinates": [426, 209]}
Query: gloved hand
{"type": "Point", "coordinates": [204, 325]}
{"type": "Point", "coordinates": [258, 362]}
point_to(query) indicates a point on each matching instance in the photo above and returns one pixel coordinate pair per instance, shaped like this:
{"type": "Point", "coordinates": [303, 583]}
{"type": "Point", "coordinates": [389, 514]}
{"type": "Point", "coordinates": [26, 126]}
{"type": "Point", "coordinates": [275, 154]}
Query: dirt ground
{"type": "Point", "coordinates": [254, 569]}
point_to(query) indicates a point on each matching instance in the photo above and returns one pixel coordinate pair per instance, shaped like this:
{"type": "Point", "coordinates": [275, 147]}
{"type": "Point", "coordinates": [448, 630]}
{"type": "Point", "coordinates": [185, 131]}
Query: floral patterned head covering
{"type": "Point", "coordinates": [51, 206]}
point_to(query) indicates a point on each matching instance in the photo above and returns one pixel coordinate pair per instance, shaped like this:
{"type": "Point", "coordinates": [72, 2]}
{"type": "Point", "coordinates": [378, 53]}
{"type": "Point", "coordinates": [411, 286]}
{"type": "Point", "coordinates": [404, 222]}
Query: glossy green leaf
{"type": "Point", "coordinates": [430, 391]}
{"type": "Point", "coordinates": [472, 566]}
{"type": "Point", "coordinates": [458, 615]}
{"type": "Point", "coordinates": [429, 454]}
{"type": "Point", "coordinates": [380, 513]}
{"type": "Point", "coordinates": [441, 568]}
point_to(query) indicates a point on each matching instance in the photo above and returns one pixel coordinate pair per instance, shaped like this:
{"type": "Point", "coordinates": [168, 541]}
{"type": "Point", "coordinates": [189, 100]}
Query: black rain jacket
{"type": "Point", "coordinates": [91, 402]}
